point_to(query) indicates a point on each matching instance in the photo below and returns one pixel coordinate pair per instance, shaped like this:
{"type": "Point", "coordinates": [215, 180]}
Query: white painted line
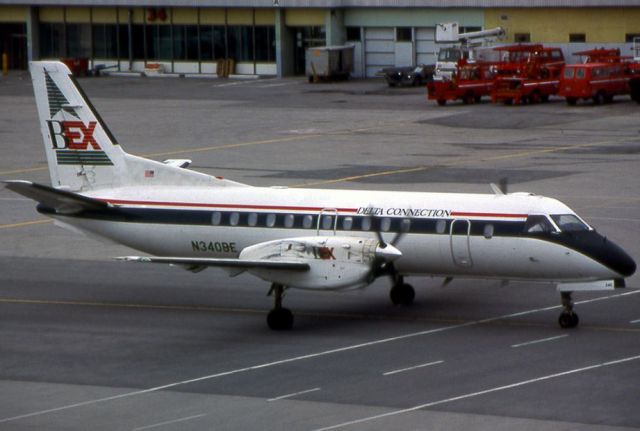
{"type": "Point", "coordinates": [635, 321]}
{"type": "Point", "coordinates": [542, 340]}
{"type": "Point", "coordinates": [479, 393]}
{"type": "Point", "coordinates": [282, 397]}
{"type": "Point", "coordinates": [389, 373]}
{"type": "Point", "coordinates": [273, 85]}
{"type": "Point", "coordinates": [304, 357]}
{"type": "Point", "coordinates": [175, 421]}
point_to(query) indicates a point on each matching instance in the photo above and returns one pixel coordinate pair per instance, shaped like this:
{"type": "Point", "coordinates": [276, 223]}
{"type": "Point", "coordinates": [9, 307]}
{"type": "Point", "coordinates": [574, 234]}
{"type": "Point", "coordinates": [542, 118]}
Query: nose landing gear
{"type": "Point", "coordinates": [568, 318]}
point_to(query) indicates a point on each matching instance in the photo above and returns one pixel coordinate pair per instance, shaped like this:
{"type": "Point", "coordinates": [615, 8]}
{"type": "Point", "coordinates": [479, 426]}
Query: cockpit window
{"type": "Point", "coordinates": [538, 224]}
{"type": "Point", "coordinates": [569, 223]}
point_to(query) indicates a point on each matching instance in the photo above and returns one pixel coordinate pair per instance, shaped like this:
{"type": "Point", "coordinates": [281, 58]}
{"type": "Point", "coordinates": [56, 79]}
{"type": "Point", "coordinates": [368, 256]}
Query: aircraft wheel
{"type": "Point", "coordinates": [402, 294]}
{"type": "Point", "coordinates": [568, 319]}
{"type": "Point", "coordinates": [280, 319]}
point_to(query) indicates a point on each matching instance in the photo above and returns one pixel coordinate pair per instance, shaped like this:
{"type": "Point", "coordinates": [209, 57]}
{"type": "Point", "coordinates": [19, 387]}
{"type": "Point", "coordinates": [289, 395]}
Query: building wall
{"type": "Point", "coordinates": [554, 25]}
{"type": "Point", "coordinates": [411, 17]}
{"type": "Point", "coordinates": [15, 14]}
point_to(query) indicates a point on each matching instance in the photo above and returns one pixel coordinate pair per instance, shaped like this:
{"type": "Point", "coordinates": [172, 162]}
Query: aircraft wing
{"type": "Point", "coordinates": [62, 201]}
{"type": "Point", "coordinates": [241, 264]}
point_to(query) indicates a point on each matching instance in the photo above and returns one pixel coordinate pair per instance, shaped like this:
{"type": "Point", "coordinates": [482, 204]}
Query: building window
{"type": "Point", "coordinates": [212, 42]}
{"type": "Point", "coordinates": [158, 42]}
{"type": "Point", "coordinates": [78, 40]}
{"type": "Point", "coordinates": [353, 34]}
{"type": "Point", "coordinates": [185, 42]}
{"type": "Point", "coordinates": [469, 29]}
{"type": "Point", "coordinates": [52, 40]}
{"type": "Point", "coordinates": [403, 34]}
{"type": "Point", "coordinates": [522, 37]}
{"type": "Point", "coordinates": [240, 42]}
{"type": "Point", "coordinates": [577, 38]}
{"type": "Point", "coordinates": [265, 37]}
{"type": "Point", "coordinates": [631, 37]}
{"type": "Point", "coordinates": [105, 41]}
{"type": "Point", "coordinates": [137, 41]}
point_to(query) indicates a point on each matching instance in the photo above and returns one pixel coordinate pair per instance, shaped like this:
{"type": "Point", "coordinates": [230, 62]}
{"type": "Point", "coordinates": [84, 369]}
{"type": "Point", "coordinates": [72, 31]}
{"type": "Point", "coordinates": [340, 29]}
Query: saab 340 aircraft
{"type": "Point", "coordinates": [302, 238]}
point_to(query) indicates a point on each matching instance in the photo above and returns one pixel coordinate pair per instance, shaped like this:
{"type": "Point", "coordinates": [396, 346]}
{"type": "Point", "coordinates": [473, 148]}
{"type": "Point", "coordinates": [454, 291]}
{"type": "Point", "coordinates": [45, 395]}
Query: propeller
{"type": "Point", "coordinates": [386, 252]}
{"type": "Point", "coordinates": [502, 187]}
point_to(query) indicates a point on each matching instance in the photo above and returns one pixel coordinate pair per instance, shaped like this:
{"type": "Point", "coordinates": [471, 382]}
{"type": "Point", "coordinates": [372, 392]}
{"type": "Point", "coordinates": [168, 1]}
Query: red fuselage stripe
{"type": "Point", "coordinates": [489, 215]}
{"type": "Point", "coordinates": [288, 208]}
{"type": "Point", "coordinates": [237, 206]}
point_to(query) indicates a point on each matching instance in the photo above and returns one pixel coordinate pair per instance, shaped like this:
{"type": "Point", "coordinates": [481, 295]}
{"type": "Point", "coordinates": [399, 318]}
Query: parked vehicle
{"type": "Point", "coordinates": [527, 74]}
{"type": "Point", "coordinates": [409, 75]}
{"type": "Point", "coordinates": [602, 75]}
{"type": "Point", "coordinates": [468, 83]}
{"type": "Point", "coordinates": [597, 81]}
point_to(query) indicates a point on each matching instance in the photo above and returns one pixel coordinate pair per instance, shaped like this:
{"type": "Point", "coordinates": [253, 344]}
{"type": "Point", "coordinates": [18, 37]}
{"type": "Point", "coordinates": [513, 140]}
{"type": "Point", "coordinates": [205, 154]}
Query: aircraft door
{"type": "Point", "coordinates": [459, 236]}
{"type": "Point", "coordinates": [327, 220]}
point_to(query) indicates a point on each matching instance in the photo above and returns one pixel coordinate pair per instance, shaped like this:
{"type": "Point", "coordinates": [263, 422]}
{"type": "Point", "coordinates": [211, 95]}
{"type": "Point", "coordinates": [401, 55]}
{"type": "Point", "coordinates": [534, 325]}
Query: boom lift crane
{"type": "Point", "coordinates": [465, 45]}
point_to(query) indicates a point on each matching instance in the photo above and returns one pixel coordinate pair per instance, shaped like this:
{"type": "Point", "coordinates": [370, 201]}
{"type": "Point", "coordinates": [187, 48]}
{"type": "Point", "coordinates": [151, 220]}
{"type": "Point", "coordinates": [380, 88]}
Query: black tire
{"type": "Point", "coordinates": [599, 98]}
{"type": "Point", "coordinates": [280, 319]}
{"type": "Point", "coordinates": [402, 294]}
{"type": "Point", "coordinates": [571, 101]}
{"type": "Point", "coordinates": [568, 320]}
{"type": "Point", "coordinates": [441, 102]}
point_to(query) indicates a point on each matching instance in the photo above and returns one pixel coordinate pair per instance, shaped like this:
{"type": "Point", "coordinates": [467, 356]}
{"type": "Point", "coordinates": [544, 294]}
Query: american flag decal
{"type": "Point", "coordinates": [149, 173]}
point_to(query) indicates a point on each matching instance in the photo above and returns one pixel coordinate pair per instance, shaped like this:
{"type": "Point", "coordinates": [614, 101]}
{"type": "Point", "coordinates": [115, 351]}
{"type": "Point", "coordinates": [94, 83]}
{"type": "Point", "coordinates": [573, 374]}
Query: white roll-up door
{"type": "Point", "coordinates": [426, 47]}
{"type": "Point", "coordinates": [379, 49]}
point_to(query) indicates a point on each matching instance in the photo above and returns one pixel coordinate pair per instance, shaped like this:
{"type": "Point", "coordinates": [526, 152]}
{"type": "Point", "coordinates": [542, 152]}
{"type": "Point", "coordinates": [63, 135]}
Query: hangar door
{"type": "Point", "coordinates": [379, 49]}
{"type": "Point", "coordinates": [426, 47]}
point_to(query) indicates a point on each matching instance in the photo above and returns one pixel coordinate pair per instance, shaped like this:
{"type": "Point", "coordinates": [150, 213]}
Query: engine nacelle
{"type": "Point", "coordinates": [334, 262]}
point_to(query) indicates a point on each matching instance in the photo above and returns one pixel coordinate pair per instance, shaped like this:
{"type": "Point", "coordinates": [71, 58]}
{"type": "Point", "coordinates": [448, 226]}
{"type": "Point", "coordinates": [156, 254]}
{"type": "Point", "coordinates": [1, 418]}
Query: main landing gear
{"type": "Point", "coordinates": [401, 293]}
{"type": "Point", "coordinates": [568, 318]}
{"type": "Point", "coordinates": [280, 318]}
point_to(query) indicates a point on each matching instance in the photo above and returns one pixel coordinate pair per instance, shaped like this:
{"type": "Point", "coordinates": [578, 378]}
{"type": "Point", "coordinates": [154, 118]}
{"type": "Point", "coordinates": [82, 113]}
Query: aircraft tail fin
{"type": "Point", "coordinates": [82, 153]}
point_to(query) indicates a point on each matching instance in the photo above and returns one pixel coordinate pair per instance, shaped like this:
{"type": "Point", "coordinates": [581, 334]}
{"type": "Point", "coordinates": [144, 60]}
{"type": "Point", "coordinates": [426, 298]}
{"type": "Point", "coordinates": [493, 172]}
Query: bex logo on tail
{"type": "Point", "coordinates": [74, 143]}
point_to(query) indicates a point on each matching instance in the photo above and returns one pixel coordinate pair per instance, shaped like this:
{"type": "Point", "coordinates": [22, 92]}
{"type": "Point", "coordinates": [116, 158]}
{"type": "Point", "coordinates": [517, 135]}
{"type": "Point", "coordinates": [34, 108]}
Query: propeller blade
{"type": "Point", "coordinates": [387, 253]}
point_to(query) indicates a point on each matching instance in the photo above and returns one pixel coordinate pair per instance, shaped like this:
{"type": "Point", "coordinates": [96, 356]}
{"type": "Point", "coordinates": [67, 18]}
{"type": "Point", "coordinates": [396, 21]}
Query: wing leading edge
{"type": "Point", "coordinates": [242, 264]}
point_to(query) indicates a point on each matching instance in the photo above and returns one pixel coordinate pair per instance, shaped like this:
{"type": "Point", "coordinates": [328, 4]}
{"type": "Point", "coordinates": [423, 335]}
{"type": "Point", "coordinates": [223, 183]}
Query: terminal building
{"type": "Point", "coordinates": [269, 37]}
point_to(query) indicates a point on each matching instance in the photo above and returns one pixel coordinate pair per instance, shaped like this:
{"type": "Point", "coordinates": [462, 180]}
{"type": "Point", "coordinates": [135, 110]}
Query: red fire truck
{"type": "Point", "coordinates": [469, 83]}
{"type": "Point", "coordinates": [527, 74]}
{"type": "Point", "coordinates": [603, 75]}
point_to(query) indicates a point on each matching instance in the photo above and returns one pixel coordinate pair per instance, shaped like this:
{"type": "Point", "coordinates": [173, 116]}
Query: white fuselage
{"type": "Point", "coordinates": [451, 234]}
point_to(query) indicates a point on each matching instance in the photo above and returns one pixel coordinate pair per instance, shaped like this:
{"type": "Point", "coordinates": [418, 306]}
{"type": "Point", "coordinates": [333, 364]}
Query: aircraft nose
{"type": "Point", "coordinates": [617, 259]}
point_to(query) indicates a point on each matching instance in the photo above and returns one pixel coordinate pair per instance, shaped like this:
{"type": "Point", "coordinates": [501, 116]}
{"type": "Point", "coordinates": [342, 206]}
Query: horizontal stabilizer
{"type": "Point", "coordinates": [62, 201]}
{"type": "Point", "coordinates": [288, 265]}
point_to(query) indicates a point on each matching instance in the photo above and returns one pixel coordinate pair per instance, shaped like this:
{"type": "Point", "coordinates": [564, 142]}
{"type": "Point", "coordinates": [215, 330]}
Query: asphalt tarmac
{"type": "Point", "coordinates": [87, 342]}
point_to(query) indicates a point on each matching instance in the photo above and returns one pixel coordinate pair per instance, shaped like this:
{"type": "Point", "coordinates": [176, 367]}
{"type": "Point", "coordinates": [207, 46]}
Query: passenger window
{"type": "Point", "coordinates": [307, 221]}
{"type": "Point", "coordinates": [366, 223]}
{"type": "Point", "coordinates": [271, 220]}
{"type": "Point", "coordinates": [234, 219]}
{"type": "Point", "coordinates": [327, 222]}
{"type": "Point", "coordinates": [216, 218]}
{"type": "Point", "coordinates": [538, 224]}
{"type": "Point", "coordinates": [347, 223]}
{"type": "Point", "coordinates": [289, 220]}
{"type": "Point", "coordinates": [441, 226]}
{"type": "Point", "coordinates": [385, 224]}
{"type": "Point", "coordinates": [488, 231]}
{"type": "Point", "coordinates": [405, 225]}
{"type": "Point", "coordinates": [253, 219]}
